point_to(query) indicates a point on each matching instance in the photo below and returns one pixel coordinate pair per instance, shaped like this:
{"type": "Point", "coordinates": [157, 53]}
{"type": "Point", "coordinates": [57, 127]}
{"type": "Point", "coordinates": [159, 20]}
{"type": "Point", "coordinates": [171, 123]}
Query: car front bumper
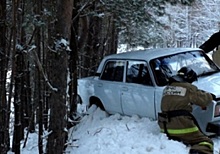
{"type": "Point", "coordinates": [213, 127]}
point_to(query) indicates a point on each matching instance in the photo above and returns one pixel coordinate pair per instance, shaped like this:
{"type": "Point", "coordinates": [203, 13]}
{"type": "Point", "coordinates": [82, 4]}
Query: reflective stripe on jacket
{"type": "Point", "coordinates": [181, 131]}
{"type": "Point", "coordinates": [210, 145]}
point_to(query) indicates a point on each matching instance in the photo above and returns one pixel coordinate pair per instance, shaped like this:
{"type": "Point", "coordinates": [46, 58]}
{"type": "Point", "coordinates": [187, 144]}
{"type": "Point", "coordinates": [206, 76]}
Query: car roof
{"type": "Point", "coordinates": [149, 54]}
{"type": "Point", "coordinates": [146, 54]}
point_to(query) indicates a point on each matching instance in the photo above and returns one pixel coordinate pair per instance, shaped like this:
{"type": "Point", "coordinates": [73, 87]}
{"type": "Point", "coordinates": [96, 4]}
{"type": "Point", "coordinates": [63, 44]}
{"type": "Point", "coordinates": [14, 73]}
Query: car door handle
{"type": "Point", "coordinates": [124, 89]}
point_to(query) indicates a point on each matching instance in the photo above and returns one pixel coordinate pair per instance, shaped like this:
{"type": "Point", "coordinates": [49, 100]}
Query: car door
{"type": "Point", "coordinates": [107, 88]}
{"type": "Point", "coordinates": [137, 94]}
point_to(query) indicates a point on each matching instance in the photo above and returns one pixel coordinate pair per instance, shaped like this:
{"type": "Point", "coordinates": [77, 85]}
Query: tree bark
{"type": "Point", "coordinates": [4, 120]}
{"type": "Point", "coordinates": [74, 46]}
{"type": "Point", "coordinates": [59, 65]}
{"type": "Point", "coordinates": [17, 90]}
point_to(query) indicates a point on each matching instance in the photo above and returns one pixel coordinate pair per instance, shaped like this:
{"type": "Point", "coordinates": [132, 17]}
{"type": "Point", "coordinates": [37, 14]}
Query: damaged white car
{"type": "Point", "coordinates": [132, 83]}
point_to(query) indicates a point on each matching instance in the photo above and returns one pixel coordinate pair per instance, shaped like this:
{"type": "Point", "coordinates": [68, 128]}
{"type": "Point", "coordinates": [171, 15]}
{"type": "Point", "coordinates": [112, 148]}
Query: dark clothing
{"type": "Point", "coordinates": [180, 97]}
{"type": "Point", "coordinates": [211, 43]}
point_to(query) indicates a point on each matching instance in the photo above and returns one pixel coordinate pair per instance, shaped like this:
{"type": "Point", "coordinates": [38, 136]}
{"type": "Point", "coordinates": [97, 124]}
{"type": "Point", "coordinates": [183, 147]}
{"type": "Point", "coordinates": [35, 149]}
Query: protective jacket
{"type": "Point", "coordinates": [211, 43]}
{"type": "Point", "coordinates": [178, 97]}
{"type": "Point", "coordinates": [216, 56]}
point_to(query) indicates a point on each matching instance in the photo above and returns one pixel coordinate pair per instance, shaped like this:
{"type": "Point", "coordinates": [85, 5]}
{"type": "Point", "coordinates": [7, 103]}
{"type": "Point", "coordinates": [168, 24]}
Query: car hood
{"type": "Point", "coordinates": [210, 83]}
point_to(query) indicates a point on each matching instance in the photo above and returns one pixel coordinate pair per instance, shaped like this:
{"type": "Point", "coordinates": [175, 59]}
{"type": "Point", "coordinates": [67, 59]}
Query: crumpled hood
{"type": "Point", "coordinates": [209, 83]}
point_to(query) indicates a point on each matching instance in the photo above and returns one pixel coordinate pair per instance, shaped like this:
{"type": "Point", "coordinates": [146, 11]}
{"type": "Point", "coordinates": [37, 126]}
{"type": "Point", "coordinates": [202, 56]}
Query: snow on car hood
{"type": "Point", "coordinates": [209, 83]}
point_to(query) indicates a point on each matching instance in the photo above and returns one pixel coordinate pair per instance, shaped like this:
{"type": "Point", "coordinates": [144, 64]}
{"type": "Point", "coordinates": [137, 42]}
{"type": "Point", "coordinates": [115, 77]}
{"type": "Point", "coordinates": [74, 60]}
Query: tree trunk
{"type": "Point", "coordinates": [15, 80]}
{"type": "Point", "coordinates": [18, 103]}
{"type": "Point", "coordinates": [4, 120]}
{"type": "Point", "coordinates": [73, 61]}
{"type": "Point", "coordinates": [39, 85]}
{"type": "Point", "coordinates": [59, 65]}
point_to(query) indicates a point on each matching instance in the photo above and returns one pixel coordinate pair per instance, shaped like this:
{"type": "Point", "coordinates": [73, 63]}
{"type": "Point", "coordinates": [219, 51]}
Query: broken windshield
{"type": "Point", "coordinates": [165, 67]}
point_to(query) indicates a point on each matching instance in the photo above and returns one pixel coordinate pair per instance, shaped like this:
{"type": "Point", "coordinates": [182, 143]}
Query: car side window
{"type": "Point", "coordinates": [113, 71]}
{"type": "Point", "coordinates": [137, 72]}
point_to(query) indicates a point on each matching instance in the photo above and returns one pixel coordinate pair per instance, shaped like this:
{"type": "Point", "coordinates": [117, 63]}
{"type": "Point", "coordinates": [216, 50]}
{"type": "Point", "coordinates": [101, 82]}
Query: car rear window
{"type": "Point", "coordinates": [113, 71]}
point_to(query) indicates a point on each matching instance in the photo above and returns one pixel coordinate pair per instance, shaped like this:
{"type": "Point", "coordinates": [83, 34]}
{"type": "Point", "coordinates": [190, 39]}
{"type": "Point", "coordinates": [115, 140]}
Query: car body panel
{"type": "Point", "coordinates": [106, 92]}
{"type": "Point", "coordinates": [138, 99]}
{"type": "Point", "coordinates": [210, 83]}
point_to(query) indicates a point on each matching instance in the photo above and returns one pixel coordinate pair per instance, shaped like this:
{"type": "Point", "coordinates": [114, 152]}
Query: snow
{"type": "Point", "coordinates": [101, 133]}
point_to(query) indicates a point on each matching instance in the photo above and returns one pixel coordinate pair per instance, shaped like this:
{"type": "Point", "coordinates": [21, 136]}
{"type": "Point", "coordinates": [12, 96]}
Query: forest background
{"type": "Point", "coordinates": [46, 45]}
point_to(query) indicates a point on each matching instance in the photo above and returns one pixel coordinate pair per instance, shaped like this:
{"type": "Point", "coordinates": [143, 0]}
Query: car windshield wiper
{"type": "Point", "coordinates": [208, 73]}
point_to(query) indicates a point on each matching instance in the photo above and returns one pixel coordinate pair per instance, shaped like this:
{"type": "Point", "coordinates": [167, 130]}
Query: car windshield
{"type": "Point", "coordinates": [164, 67]}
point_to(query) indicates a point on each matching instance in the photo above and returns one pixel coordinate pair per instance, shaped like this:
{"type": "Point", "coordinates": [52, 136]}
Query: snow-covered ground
{"type": "Point", "coordinates": [100, 133]}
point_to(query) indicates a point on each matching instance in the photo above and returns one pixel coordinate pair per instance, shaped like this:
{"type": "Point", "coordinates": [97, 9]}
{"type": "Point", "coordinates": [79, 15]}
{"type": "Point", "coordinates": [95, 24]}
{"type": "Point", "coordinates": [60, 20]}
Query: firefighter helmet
{"type": "Point", "coordinates": [185, 74]}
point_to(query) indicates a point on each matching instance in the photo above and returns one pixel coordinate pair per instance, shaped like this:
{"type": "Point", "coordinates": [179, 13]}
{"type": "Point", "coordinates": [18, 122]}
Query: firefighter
{"type": "Point", "coordinates": [212, 43]}
{"type": "Point", "coordinates": [176, 119]}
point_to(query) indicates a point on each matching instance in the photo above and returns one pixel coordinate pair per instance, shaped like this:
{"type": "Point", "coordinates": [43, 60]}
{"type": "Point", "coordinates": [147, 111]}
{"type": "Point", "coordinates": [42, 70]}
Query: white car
{"type": "Point", "coordinates": [131, 83]}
